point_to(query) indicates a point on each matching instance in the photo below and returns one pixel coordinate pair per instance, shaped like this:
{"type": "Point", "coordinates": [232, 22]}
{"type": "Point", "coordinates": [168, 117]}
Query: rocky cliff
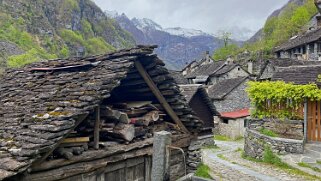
{"type": "Point", "coordinates": [39, 29]}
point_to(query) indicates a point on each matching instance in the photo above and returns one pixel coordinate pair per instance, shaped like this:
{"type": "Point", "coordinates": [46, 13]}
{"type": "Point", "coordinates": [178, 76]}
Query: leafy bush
{"type": "Point", "coordinates": [278, 99]}
{"type": "Point", "coordinates": [203, 171]}
{"type": "Point", "coordinates": [226, 51]}
{"type": "Point", "coordinates": [30, 56]}
{"type": "Point", "coordinates": [270, 157]}
{"type": "Point", "coordinates": [268, 132]}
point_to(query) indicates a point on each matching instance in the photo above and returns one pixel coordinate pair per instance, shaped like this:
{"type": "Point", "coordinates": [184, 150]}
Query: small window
{"type": "Point", "coordinates": [238, 68]}
{"type": "Point", "coordinates": [225, 121]}
{"type": "Point", "coordinates": [245, 123]}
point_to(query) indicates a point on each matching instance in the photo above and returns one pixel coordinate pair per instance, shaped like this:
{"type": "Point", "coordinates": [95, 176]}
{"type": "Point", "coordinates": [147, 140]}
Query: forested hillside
{"type": "Point", "coordinates": [281, 26]}
{"type": "Point", "coordinates": [31, 30]}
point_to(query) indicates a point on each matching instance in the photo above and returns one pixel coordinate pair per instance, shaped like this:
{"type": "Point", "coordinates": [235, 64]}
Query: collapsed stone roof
{"type": "Point", "coordinates": [44, 101]}
{"type": "Point", "coordinates": [299, 74]}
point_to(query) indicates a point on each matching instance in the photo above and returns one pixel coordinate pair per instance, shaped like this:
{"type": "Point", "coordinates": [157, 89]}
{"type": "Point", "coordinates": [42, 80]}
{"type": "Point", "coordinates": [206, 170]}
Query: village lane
{"type": "Point", "coordinates": [227, 164]}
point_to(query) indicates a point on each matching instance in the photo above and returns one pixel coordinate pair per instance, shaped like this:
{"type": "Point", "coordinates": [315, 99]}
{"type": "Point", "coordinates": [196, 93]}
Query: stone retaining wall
{"type": "Point", "coordinates": [194, 155]}
{"type": "Point", "coordinates": [255, 144]}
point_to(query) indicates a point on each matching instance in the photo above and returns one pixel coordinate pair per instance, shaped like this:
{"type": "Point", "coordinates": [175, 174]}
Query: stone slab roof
{"type": "Point", "coordinates": [273, 64]}
{"type": "Point", "coordinates": [308, 37]}
{"type": "Point", "coordinates": [224, 87]}
{"type": "Point", "coordinates": [178, 77]}
{"type": "Point", "coordinates": [299, 74]}
{"type": "Point", "coordinates": [44, 101]}
{"type": "Point", "coordinates": [192, 89]}
{"type": "Point", "coordinates": [206, 70]}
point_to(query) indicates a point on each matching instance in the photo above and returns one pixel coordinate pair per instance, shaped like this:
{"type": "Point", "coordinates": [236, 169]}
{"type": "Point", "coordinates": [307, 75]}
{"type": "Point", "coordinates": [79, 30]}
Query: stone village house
{"type": "Point", "coordinates": [306, 46]}
{"type": "Point", "coordinates": [93, 118]}
{"type": "Point", "coordinates": [232, 102]}
{"type": "Point", "coordinates": [208, 71]}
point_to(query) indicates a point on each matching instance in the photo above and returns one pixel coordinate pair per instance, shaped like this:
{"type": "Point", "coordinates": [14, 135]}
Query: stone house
{"type": "Point", "coordinates": [215, 72]}
{"type": "Point", "coordinates": [191, 67]}
{"type": "Point", "coordinates": [232, 102]}
{"type": "Point", "coordinates": [91, 118]}
{"type": "Point", "coordinates": [198, 99]}
{"type": "Point", "coordinates": [178, 77]}
{"type": "Point", "coordinates": [306, 46]}
{"type": "Point", "coordinates": [269, 67]}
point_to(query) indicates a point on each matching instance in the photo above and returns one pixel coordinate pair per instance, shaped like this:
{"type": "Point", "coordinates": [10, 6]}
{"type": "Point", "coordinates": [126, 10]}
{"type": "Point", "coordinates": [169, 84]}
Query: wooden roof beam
{"type": "Point", "coordinates": [149, 81]}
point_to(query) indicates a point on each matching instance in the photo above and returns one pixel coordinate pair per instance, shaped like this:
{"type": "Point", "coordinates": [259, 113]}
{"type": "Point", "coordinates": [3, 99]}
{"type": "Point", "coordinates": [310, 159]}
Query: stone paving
{"type": "Point", "coordinates": [311, 156]}
{"type": "Point", "coordinates": [237, 168]}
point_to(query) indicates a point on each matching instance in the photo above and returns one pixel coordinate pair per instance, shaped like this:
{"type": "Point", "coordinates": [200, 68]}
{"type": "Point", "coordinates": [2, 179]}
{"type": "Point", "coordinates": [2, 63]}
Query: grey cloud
{"type": "Point", "coordinates": [207, 15]}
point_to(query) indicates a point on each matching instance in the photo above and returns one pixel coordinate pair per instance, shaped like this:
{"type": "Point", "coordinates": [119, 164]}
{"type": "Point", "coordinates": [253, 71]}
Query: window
{"type": "Point", "coordinates": [245, 123]}
{"type": "Point", "coordinates": [225, 121]}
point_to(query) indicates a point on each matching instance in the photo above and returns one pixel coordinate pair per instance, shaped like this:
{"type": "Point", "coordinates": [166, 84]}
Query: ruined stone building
{"type": "Point", "coordinates": [92, 119]}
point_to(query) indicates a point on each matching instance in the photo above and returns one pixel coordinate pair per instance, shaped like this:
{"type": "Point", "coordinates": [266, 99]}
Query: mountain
{"type": "Point", "coordinates": [31, 30]}
{"type": "Point", "coordinates": [258, 35]}
{"type": "Point", "coordinates": [176, 46]}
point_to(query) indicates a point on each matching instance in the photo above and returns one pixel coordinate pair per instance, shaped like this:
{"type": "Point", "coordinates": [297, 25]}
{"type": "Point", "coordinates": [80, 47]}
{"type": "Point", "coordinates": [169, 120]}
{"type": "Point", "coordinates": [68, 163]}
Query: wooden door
{"type": "Point", "coordinates": [314, 121]}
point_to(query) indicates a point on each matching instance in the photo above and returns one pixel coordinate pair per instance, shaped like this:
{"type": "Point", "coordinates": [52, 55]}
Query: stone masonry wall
{"type": "Point", "coordinates": [194, 157]}
{"type": "Point", "coordinates": [255, 144]}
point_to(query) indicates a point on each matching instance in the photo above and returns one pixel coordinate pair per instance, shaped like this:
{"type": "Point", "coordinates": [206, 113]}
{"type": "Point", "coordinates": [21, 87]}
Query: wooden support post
{"type": "Point", "coordinates": [97, 127]}
{"type": "Point", "coordinates": [305, 120]}
{"type": "Point", "coordinates": [159, 96]}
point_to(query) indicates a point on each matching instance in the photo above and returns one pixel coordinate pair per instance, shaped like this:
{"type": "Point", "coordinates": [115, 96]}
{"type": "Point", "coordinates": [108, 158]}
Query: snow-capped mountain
{"type": "Point", "coordinates": [185, 32]}
{"type": "Point", "coordinates": [176, 46]}
{"type": "Point", "coordinates": [145, 23]}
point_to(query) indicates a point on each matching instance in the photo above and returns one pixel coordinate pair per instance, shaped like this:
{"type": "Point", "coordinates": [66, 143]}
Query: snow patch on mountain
{"type": "Point", "coordinates": [185, 32]}
{"type": "Point", "coordinates": [145, 23]}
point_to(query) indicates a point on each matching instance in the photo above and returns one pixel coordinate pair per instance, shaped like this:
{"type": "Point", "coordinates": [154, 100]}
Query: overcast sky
{"type": "Point", "coordinates": [208, 15]}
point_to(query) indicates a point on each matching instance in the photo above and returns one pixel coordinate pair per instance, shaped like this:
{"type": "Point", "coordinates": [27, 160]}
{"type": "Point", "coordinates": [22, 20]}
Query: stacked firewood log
{"type": "Point", "coordinates": [120, 123]}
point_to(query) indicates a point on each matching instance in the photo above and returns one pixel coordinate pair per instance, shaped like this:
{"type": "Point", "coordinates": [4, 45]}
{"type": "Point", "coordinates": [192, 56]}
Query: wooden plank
{"type": "Point", "coordinates": [309, 120]}
{"type": "Point", "coordinates": [79, 120]}
{"type": "Point", "coordinates": [159, 96]}
{"type": "Point", "coordinates": [97, 127]}
{"type": "Point", "coordinates": [319, 121]}
{"type": "Point", "coordinates": [313, 120]}
{"type": "Point", "coordinates": [76, 140]}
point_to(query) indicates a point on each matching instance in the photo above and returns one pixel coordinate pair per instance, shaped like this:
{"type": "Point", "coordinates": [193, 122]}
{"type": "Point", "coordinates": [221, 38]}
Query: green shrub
{"type": "Point", "coordinates": [203, 171]}
{"type": "Point", "coordinates": [270, 157]}
{"type": "Point", "coordinates": [268, 132]}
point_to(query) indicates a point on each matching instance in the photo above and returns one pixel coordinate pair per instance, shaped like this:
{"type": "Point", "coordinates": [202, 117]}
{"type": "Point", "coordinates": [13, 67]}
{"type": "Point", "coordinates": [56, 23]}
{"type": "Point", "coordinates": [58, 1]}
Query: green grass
{"type": "Point", "coordinates": [302, 164]}
{"type": "Point", "coordinates": [221, 156]}
{"type": "Point", "coordinates": [222, 138]}
{"type": "Point", "coordinates": [239, 150]}
{"type": "Point", "coordinates": [203, 171]}
{"type": "Point", "coordinates": [270, 158]}
{"type": "Point", "coordinates": [268, 132]}
{"type": "Point", "coordinates": [318, 161]}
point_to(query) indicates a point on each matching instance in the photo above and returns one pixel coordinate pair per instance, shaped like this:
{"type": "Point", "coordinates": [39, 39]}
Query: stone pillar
{"type": "Point", "coordinates": [161, 153]}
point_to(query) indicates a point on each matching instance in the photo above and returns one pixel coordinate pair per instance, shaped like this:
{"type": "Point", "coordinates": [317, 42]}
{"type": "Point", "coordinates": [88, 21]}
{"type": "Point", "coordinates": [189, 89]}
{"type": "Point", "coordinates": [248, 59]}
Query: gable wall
{"type": "Point", "coordinates": [236, 100]}
{"type": "Point", "coordinates": [234, 73]}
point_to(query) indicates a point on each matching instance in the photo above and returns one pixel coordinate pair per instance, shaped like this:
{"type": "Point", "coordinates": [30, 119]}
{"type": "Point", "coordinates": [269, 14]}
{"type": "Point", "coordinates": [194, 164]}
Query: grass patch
{"type": "Point", "coordinates": [302, 164]}
{"type": "Point", "coordinates": [203, 171]}
{"type": "Point", "coordinates": [221, 156]}
{"type": "Point", "coordinates": [318, 161]}
{"type": "Point", "coordinates": [222, 138]}
{"type": "Point", "coordinates": [240, 138]}
{"type": "Point", "coordinates": [268, 132]}
{"type": "Point", "coordinates": [212, 147]}
{"type": "Point", "coordinates": [238, 150]}
{"type": "Point", "coordinates": [270, 158]}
